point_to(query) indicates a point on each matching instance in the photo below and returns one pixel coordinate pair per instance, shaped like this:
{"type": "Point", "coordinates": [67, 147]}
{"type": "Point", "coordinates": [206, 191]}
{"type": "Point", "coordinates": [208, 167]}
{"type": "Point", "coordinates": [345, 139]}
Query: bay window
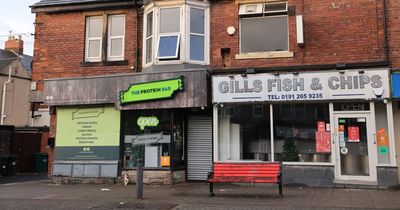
{"type": "Point", "coordinates": [176, 34]}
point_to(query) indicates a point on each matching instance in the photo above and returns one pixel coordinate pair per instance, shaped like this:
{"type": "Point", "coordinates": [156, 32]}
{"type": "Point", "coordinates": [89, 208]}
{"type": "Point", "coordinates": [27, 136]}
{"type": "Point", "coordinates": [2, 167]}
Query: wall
{"type": "Point", "coordinates": [343, 31]}
{"type": "Point", "coordinates": [17, 104]}
{"type": "Point", "coordinates": [60, 46]}
{"type": "Point", "coordinates": [393, 23]}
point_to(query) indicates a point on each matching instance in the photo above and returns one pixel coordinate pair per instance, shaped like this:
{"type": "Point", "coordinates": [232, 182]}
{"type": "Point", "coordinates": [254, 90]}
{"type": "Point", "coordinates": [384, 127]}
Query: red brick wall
{"type": "Point", "coordinates": [393, 17]}
{"type": "Point", "coordinates": [342, 31]}
{"type": "Point", "coordinates": [60, 46]}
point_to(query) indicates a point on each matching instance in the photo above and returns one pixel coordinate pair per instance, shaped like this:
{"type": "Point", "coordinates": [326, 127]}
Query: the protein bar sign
{"type": "Point", "coordinates": [304, 86]}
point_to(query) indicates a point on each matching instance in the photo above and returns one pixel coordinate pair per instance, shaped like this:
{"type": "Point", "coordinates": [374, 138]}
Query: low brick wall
{"type": "Point", "coordinates": [157, 177]}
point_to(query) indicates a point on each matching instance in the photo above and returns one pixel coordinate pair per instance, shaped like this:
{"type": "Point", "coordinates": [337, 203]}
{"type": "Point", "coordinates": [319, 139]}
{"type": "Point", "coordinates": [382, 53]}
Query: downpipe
{"type": "Point", "coordinates": [3, 102]}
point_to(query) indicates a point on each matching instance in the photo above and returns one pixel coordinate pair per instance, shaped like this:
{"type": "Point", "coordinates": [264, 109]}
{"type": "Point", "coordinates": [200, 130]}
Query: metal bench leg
{"type": "Point", "coordinates": [211, 189]}
{"type": "Point", "coordinates": [280, 189]}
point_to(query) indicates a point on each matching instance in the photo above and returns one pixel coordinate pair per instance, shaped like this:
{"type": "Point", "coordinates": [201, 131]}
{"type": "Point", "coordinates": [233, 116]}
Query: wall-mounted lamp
{"type": "Point", "coordinates": [250, 71]}
{"type": "Point", "coordinates": [231, 76]}
{"type": "Point", "coordinates": [221, 105]}
{"type": "Point", "coordinates": [361, 72]}
{"type": "Point", "coordinates": [340, 66]}
{"type": "Point", "coordinates": [295, 73]}
{"type": "Point", "coordinates": [276, 74]}
{"type": "Point", "coordinates": [244, 75]}
{"type": "Point", "coordinates": [341, 72]}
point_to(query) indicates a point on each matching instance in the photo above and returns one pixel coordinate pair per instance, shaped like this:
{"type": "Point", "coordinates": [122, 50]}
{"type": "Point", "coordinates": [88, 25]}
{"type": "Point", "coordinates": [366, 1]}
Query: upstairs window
{"type": "Point", "coordinates": [169, 34]}
{"type": "Point", "coordinates": [97, 35]}
{"type": "Point", "coordinates": [94, 31]}
{"type": "Point", "coordinates": [176, 34]}
{"type": "Point", "coordinates": [264, 27]}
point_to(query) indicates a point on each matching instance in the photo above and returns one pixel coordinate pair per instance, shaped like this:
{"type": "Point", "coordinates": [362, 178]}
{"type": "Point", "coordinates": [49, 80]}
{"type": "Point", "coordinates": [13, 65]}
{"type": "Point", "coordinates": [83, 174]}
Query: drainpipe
{"type": "Point", "coordinates": [137, 37]}
{"type": "Point", "coordinates": [4, 95]}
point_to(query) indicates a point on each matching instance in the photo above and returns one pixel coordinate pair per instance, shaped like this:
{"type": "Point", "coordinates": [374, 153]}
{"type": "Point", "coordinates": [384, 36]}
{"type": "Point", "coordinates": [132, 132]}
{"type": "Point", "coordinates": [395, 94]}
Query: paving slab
{"type": "Point", "coordinates": [40, 194]}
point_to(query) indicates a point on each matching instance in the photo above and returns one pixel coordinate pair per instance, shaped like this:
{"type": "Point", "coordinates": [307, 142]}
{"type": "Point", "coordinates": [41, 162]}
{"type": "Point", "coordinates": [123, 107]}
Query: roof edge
{"type": "Point", "coordinates": [71, 7]}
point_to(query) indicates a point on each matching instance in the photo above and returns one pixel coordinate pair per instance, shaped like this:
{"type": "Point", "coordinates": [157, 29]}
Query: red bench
{"type": "Point", "coordinates": [246, 173]}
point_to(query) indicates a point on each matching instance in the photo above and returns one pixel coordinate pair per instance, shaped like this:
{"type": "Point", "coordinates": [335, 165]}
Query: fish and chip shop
{"type": "Point", "coordinates": [329, 128]}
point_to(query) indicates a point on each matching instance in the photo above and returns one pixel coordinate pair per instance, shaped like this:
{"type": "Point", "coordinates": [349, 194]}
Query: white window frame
{"type": "Point", "coordinates": [205, 35]}
{"type": "Point", "coordinates": [110, 38]}
{"type": "Point", "coordinates": [264, 14]}
{"type": "Point", "coordinates": [177, 46]}
{"type": "Point", "coordinates": [145, 38]}
{"type": "Point", "coordinates": [276, 11]}
{"type": "Point", "coordinates": [88, 39]}
{"type": "Point", "coordinates": [184, 53]}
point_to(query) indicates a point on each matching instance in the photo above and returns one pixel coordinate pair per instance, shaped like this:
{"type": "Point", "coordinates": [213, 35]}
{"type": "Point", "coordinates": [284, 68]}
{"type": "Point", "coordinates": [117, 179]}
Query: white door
{"type": "Point", "coordinates": [355, 147]}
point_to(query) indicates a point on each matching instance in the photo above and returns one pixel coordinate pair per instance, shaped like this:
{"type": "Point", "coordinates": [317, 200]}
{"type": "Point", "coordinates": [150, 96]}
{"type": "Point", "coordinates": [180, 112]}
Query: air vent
{"type": "Point", "coordinates": [250, 9]}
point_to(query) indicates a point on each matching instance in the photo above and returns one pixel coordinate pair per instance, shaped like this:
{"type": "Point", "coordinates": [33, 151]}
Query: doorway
{"type": "Point", "coordinates": [355, 146]}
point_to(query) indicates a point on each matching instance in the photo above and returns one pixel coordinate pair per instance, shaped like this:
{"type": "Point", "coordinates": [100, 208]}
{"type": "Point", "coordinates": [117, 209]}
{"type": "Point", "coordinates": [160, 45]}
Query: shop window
{"type": "Point", "coordinates": [181, 35]}
{"type": "Point", "coordinates": [298, 138]}
{"type": "Point", "coordinates": [155, 136]}
{"type": "Point", "coordinates": [264, 27]}
{"type": "Point", "coordinates": [95, 38]}
{"type": "Point", "coordinates": [243, 137]}
{"type": "Point", "coordinates": [302, 133]}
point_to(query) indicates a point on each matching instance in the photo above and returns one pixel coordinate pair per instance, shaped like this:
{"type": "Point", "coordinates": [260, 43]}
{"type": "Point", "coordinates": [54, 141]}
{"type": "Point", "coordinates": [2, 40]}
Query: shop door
{"type": "Point", "coordinates": [355, 147]}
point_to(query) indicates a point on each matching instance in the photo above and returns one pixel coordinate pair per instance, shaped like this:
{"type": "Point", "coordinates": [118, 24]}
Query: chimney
{"type": "Point", "coordinates": [15, 44]}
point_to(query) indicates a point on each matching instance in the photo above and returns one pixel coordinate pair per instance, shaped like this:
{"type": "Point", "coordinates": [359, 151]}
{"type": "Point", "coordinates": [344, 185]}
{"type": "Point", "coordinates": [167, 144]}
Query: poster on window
{"type": "Point", "coordinates": [323, 142]}
{"type": "Point", "coordinates": [353, 134]}
{"type": "Point", "coordinates": [321, 126]}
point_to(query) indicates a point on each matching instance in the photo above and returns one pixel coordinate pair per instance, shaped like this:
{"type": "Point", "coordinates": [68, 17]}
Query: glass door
{"type": "Point", "coordinates": [355, 147]}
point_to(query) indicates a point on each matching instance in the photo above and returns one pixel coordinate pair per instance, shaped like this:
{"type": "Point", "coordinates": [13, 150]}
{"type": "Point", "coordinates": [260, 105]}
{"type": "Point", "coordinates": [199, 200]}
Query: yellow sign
{"type": "Point", "coordinates": [165, 161]}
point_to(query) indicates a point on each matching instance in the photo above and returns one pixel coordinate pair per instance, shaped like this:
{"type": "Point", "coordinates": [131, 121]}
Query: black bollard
{"type": "Point", "coordinates": [139, 179]}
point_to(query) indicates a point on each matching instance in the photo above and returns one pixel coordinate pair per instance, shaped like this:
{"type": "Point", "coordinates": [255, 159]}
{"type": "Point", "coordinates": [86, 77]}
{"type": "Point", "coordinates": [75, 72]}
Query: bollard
{"type": "Point", "coordinates": [139, 179]}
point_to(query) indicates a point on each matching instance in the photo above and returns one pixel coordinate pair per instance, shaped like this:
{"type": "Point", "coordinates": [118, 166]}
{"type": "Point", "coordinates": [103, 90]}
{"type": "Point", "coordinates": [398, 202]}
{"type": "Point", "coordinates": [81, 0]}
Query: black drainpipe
{"type": "Point", "coordinates": [136, 65]}
{"type": "Point", "coordinates": [386, 44]}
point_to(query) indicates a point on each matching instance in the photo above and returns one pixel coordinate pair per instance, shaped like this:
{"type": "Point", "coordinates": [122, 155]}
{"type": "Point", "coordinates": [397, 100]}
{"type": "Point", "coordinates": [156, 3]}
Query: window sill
{"type": "Point", "coordinates": [104, 63]}
{"type": "Point", "coordinates": [257, 55]}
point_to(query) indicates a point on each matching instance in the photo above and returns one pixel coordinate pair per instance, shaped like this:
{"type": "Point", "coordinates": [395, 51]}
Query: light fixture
{"type": "Point", "coordinates": [361, 72]}
{"type": "Point", "coordinates": [250, 71]}
{"type": "Point", "coordinates": [276, 74]}
{"type": "Point", "coordinates": [244, 75]}
{"type": "Point", "coordinates": [295, 73]}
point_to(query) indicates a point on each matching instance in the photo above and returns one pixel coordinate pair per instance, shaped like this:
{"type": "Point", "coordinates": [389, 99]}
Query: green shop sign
{"type": "Point", "coordinates": [148, 91]}
{"type": "Point", "coordinates": [147, 122]}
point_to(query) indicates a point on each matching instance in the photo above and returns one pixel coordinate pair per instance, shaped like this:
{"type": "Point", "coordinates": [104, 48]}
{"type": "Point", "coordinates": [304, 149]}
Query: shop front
{"type": "Point", "coordinates": [106, 125]}
{"type": "Point", "coordinates": [328, 128]}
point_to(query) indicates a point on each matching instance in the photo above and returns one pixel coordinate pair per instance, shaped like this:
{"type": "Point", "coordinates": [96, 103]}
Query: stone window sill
{"type": "Point", "coordinates": [257, 55]}
{"type": "Point", "coordinates": [104, 63]}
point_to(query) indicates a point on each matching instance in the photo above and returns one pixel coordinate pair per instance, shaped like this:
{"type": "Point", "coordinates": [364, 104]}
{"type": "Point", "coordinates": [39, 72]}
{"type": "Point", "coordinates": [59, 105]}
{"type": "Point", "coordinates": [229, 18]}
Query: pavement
{"type": "Point", "coordinates": [39, 193]}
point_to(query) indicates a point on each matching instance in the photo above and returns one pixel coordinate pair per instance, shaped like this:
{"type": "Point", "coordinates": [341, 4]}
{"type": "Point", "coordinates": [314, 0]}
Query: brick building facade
{"type": "Point", "coordinates": [166, 40]}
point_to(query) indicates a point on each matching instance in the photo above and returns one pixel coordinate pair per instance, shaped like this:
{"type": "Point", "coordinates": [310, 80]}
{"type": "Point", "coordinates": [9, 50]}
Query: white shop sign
{"type": "Point", "coordinates": [155, 138]}
{"type": "Point", "coordinates": [370, 84]}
